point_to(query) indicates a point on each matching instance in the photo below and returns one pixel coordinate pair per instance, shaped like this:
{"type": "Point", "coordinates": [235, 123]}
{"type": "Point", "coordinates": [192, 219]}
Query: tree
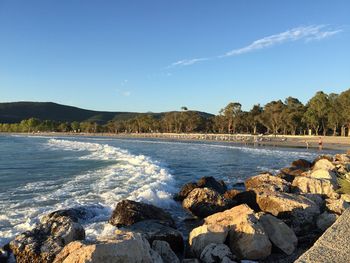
{"type": "Point", "coordinates": [344, 104]}
{"type": "Point", "coordinates": [231, 114]}
{"type": "Point", "coordinates": [334, 116]}
{"type": "Point", "coordinates": [292, 115]}
{"type": "Point", "coordinates": [316, 113]}
{"type": "Point", "coordinates": [272, 116]}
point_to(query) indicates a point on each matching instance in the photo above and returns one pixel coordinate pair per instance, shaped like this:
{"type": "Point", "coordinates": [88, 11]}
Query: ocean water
{"type": "Point", "coordinates": [43, 174]}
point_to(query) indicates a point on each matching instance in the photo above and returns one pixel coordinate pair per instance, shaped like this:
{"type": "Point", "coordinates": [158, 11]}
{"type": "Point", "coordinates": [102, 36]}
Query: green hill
{"type": "Point", "coordinates": [14, 112]}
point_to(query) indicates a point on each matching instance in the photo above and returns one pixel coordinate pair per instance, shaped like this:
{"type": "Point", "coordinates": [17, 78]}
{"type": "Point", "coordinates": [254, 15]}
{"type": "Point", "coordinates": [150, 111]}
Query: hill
{"type": "Point", "coordinates": [14, 112]}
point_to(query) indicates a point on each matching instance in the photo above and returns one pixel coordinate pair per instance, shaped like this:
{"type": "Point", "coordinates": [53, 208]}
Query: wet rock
{"type": "Point", "coordinates": [336, 206]}
{"type": "Point", "coordinates": [190, 260]}
{"type": "Point", "coordinates": [230, 194]}
{"type": "Point", "coordinates": [248, 198]}
{"type": "Point", "coordinates": [214, 253]}
{"type": "Point", "coordinates": [47, 239]}
{"type": "Point", "coordinates": [126, 247]}
{"type": "Point", "coordinates": [165, 252]}
{"type": "Point", "coordinates": [3, 256]}
{"type": "Point", "coordinates": [247, 237]}
{"type": "Point", "coordinates": [203, 202]}
{"type": "Point", "coordinates": [303, 184]}
{"type": "Point", "coordinates": [152, 230]}
{"type": "Point", "coordinates": [204, 235]}
{"type": "Point", "coordinates": [325, 220]}
{"type": "Point", "coordinates": [212, 183]}
{"type": "Point", "coordinates": [323, 164]}
{"type": "Point", "coordinates": [185, 190]}
{"type": "Point", "coordinates": [299, 210]}
{"type": "Point", "coordinates": [238, 186]}
{"type": "Point", "coordinates": [302, 163]}
{"type": "Point", "coordinates": [268, 182]}
{"type": "Point", "coordinates": [279, 233]}
{"type": "Point", "coordinates": [129, 212]}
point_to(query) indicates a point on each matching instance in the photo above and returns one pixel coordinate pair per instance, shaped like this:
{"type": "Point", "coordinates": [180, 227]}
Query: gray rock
{"type": "Point", "coordinates": [279, 233]}
{"type": "Point", "coordinates": [325, 220]}
{"type": "Point", "coordinates": [216, 253]}
{"type": "Point", "coordinates": [164, 250]}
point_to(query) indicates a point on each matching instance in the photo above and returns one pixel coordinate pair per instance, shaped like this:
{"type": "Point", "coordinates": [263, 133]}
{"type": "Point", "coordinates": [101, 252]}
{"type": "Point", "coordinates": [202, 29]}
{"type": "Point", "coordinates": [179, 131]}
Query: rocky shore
{"type": "Point", "coordinates": [276, 218]}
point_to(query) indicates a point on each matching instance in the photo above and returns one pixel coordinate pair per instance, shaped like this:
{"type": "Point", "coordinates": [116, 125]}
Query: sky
{"type": "Point", "coordinates": [160, 55]}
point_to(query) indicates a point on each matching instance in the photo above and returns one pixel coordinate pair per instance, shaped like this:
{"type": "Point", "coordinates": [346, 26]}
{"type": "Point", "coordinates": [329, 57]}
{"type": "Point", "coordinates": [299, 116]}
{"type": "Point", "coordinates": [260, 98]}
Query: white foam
{"type": "Point", "coordinates": [124, 176]}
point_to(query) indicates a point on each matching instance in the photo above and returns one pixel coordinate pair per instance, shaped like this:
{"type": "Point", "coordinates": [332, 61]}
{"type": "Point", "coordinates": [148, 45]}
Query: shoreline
{"type": "Point", "coordinates": [284, 141]}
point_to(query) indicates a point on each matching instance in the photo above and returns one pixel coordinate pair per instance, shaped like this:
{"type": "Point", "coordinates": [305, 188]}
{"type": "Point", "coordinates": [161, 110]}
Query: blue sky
{"type": "Point", "coordinates": [161, 55]}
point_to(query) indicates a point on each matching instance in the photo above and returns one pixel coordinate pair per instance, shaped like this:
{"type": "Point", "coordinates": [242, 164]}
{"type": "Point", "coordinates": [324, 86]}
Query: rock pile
{"type": "Point", "coordinates": [276, 216]}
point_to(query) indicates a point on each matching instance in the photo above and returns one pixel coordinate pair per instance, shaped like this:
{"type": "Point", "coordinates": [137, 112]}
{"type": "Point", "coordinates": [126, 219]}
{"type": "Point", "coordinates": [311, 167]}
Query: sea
{"type": "Point", "coordinates": [41, 174]}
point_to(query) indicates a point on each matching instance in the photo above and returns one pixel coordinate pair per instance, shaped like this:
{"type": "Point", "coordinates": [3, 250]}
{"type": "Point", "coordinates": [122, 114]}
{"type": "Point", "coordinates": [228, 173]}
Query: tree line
{"type": "Point", "coordinates": [326, 114]}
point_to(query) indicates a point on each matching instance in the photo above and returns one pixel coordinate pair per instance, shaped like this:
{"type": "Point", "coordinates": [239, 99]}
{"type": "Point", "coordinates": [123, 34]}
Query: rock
{"type": "Point", "coordinates": [212, 183]}
{"type": "Point", "coordinates": [323, 164]}
{"type": "Point", "coordinates": [165, 252]}
{"type": "Point", "coordinates": [230, 194]}
{"type": "Point", "coordinates": [238, 186]}
{"type": "Point", "coordinates": [302, 163]}
{"type": "Point", "coordinates": [303, 184]}
{"type": "Point", "coordinates": [152, 230]}
{"type": "Point", "coordinates": [345, 197]}
{"type": "Point", "coordinates": [213, 253]}
{"type": "Point", "coordinates": [299, 210]}
{"type": "Point", "coordinates": [324, 174]}
{"type": "Point", "coordinates": [47, 239]}
{"type": "Point", "coordinates": [127, 247]}
{"type": "Point", "coordinates": [279, 233]}
{"type": "Point", "coordinates": [316, 198]}
{"type": "Point", "coordinates": [342, 158]}
{"type": "Point", "coordinates": [267, 181]}
{"type": "Point", "coordinates": [289, 173]}
{"type": "Point", "coordinates": [204, 235]}
{"type": "Point", "coordinates": [248, 198]}
{"type": "Point", "coordinates": [129, 212]}
{"type": "Point", "coordinates": [336, 206]}
{"type": "Point", "coordinates": [325, 220]}
{"type": "Point", "coordinates": [247, 237]}
{"type": "Point", "coordinates": [185, 190]}
{"type": "Point", "coordinates": [227, 260]}
{"type": "Point", "coordinates": [203, 202]}
{"type": "Point", "coordinates": [190, 260]}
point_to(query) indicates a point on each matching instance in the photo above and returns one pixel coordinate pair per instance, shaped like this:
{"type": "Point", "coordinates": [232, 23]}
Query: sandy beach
{"type": "Point", "coordinates": [328, 142]}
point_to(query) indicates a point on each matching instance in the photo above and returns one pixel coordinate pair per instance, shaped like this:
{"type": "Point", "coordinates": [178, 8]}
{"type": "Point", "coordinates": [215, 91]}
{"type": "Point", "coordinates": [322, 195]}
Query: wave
{"type": "Point", "coordinates": [122, 176]}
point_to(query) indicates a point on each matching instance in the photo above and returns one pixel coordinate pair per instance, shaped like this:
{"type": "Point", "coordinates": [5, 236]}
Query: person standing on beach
{"type": "Point", "coordinates": [320, 143]}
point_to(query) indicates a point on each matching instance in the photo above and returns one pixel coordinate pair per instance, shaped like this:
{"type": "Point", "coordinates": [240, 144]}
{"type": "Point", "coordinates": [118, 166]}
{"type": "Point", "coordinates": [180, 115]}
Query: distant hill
{"type": "Point", "coordinates": [13, 112]}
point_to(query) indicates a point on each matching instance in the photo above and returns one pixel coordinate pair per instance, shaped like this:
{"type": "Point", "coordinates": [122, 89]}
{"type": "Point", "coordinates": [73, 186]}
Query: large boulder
{"type": "Point", "coordinates": [336, 206]}
{"type": "Point", "coordinates": [152, 230]}
{"type": "Point", "coordinates": [212, 183]}
{"type": "Point", "coordinates": [299, 210]}
{"type": "Point", "coordinates": [304, 184]}
{"type": "Point", "coordinates": [289, 173]}
{"type": "Point", "coordinates": [323, 174]}
{"type": "Point", "coordinates": [203, 202]}
{"type": "Point", "coordinates": [165, 252]}
{"type": "Point", "coordinates": [323, 164]}
{"type": "Point", "coordinates": [126, 247]}
{"type": "Point", "coordinates": [213, 253]}
{"type": "Point", "coordinates": [185, 190]}
{"type": "Point", "coordinates": [302, 163]}
{"type": "Point", "coordinates": [204, 235]}
{"type": "Point", "coordinates": [129, 212]}
{"type": "Point", "coordinates": [325, 220]}
{"type": "Point", "coordinates": [267, 181]}
{"type": "Point", "coordinates": [47, 239]}
{"type": "Point", "coordinates": [279, 233]}
{"type": "Point", "coordinates": [342, 158]}
{"type": "Point", "coordinates": [247, 237]}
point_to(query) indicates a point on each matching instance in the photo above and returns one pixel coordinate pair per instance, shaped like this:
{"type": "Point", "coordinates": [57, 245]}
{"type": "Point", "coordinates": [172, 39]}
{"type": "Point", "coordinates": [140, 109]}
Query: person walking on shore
{"type": "Point", "coordinates": [320, 143]}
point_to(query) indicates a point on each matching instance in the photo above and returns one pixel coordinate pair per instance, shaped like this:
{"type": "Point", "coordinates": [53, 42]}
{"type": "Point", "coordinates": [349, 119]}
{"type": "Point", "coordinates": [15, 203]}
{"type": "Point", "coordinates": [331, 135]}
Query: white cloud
{"type": "Point", "coordinates": [126, 93]}
{"type": "Point", "coordinates": [306, 33]}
